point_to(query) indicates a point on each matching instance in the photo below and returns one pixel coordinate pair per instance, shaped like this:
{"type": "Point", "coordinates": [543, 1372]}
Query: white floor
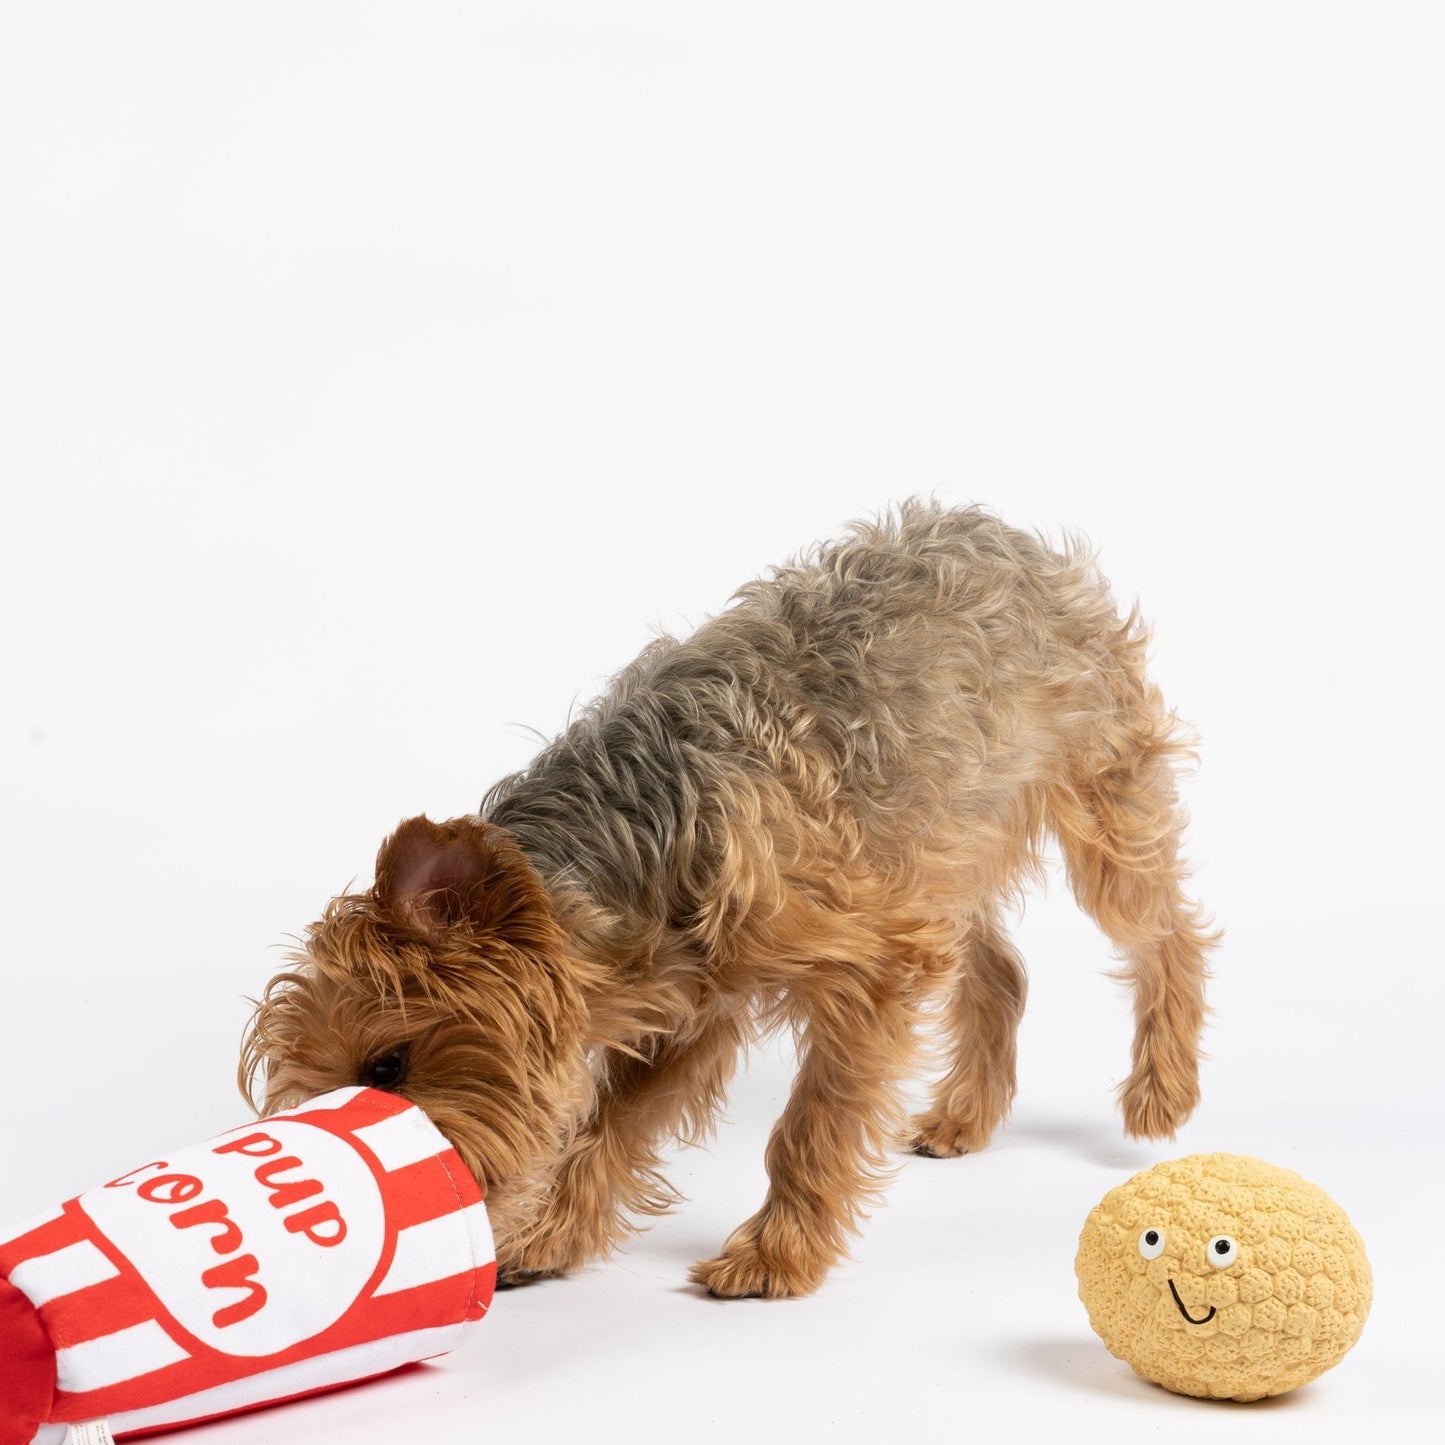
{"type": "Point", "coordinates": [375, 378]}
{"type": "Point", "coordinates": [958, 1314]}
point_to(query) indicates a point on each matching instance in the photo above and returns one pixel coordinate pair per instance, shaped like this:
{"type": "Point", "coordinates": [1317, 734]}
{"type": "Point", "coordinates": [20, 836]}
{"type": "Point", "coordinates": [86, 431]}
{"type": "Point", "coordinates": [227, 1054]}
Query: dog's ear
{"type": "Point", "coordinates": [433, 876]}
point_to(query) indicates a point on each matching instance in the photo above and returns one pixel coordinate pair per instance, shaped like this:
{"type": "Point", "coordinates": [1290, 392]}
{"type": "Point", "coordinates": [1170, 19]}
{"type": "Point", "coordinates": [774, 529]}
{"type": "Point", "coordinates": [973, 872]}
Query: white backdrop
{"type": "Point", "coordinates": [374, 380]}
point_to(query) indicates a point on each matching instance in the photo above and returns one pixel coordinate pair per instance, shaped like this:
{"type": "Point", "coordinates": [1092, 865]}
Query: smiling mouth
{"type": "Point", "coordinates": [1185, 1312]}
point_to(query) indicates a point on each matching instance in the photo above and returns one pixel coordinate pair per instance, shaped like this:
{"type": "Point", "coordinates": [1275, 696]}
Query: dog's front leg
{"type": "Point", "coordinates": [828, 1155]}
{"type": "Point", "coordinates": [610, 1172]}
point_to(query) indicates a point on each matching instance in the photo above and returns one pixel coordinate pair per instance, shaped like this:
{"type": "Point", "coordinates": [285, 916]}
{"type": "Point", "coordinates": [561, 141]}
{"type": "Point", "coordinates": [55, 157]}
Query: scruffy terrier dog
{"type": "Point", "coordinates": [806, 814]}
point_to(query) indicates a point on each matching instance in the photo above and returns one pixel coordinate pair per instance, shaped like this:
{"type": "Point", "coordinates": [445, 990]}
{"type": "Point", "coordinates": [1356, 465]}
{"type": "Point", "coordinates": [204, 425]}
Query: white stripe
{"type": "Point", "coordinates": [338, 1368]}
{"type": "Point", "coordinates": [45, 1277]}
{"type": "Point", "coordinates": [111, 1359]}
{"type": "Point", "coordinates": [479, 1230]}
{"type": "Point", "coordinates": [439, 1249]}
{"type": "Point", "coordinates": [403, 1139]}
{"type": "Point", "coordinates": [26, 1226]}
{"type": "Point", "coordinates": [425, 1253]}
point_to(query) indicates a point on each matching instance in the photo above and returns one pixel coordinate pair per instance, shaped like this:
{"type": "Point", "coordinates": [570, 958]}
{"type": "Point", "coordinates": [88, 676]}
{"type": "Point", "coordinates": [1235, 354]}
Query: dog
{"type": "Point", "coordinates": [808, 814]}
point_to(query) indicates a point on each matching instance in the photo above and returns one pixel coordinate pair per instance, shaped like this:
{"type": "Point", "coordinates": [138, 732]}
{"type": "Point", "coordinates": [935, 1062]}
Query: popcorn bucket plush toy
{"type": "Point", "coordinates": [1223, 1276]}
{"type": "Point", "coordinates": [336, 1241]}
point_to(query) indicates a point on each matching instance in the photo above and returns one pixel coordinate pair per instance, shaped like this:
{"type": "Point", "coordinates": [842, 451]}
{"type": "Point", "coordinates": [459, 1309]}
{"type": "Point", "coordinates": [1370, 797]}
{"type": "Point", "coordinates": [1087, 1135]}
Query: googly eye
{"type": "Point", "coordinates": [1151, 1243]}
{"type": "Point", "coordinates": [1222, 1251]}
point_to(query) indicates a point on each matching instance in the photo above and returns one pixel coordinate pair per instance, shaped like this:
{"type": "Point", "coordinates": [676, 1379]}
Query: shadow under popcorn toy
{"type": "Point", "coordinates": [334, 1242]}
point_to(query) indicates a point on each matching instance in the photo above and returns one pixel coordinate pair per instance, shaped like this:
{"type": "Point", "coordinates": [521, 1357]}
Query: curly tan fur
{"type": "Point", "coordinates": [804, 815]}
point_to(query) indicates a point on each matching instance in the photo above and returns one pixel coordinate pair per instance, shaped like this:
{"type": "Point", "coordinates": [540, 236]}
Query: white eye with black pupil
{"type": "Point", "coordinates": [1151, 1243]}
{"type": "Point", "coordinates": [1222, 1251]}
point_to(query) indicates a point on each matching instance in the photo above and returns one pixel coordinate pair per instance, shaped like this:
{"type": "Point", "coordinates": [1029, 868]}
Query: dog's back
{"type": "Point", "coordinates": [933, 685]}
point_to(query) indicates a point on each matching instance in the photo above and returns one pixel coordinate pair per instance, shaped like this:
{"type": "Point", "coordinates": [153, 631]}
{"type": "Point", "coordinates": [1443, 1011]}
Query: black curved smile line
{"type": "Point", "coordinates": [1185, 1312]}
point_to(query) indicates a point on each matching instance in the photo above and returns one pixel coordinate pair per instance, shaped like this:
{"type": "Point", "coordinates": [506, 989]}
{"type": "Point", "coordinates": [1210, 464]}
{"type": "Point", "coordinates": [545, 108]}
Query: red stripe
{"type": "Point", "coordinates": [425, 1191]}
{"type": "Point", "coordinates": [370, 1106]}
{"type": "Point", "coordinates": [26, 1399]}
{"type": "Point", "coordinates": [44, 1239]}
{"type": "Point", "coordinates": [102, 1309]}
{"type": "Point", "coordinates": [485, 1288]}
{"type": "Point", "coordinates": [267, 1404]}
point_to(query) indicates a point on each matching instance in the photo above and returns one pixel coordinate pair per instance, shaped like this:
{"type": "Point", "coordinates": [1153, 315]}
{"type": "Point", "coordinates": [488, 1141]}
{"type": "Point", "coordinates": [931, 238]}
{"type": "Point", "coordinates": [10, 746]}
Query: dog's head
{"type": "Point", "coordinates": [448, 982]}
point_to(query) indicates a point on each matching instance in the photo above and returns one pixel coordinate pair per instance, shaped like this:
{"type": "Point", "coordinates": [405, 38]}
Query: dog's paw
{"type": "Point", "coordinates": [936, 1136]}
{"type": "Point", "coordinates": [748, 1268]}
{"type": "Point", "coordinates": [515, 1277]}
{"type": "Point", "coordinates": [529, 1260]}
{"type": "Point", "coordinates": [745, 1274]}
{"type": "Point", "coordinates": [1155, 1104]}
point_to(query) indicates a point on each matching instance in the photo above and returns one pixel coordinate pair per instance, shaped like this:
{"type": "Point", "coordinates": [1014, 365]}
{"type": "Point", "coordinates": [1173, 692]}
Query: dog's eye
{"type": "Point", "coordinates": [1151, 1243]}
{"type": "Point", "coordinates": [1222, 1251]}
{"type": "Point", "coordinates": [385, 1071]}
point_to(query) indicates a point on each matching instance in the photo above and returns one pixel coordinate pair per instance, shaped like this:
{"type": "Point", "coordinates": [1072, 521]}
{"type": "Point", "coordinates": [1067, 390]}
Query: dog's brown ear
{"type": "Point", "coordinates": [434, 876]}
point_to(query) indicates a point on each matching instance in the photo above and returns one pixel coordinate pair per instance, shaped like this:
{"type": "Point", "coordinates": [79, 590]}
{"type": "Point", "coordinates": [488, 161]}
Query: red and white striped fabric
{"type": "Point", "coordinates": [324, 1245]}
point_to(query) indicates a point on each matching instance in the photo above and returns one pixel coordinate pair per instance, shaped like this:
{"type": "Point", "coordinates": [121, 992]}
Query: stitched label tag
{"type": "Point", "coordinates": [92, 1432]}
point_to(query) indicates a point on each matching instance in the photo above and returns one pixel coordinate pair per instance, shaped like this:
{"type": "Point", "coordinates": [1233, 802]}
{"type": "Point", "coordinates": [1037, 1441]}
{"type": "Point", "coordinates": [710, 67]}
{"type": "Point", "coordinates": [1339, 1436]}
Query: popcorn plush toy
{"type": "Point", "coordinates": [323, 1245]}
{"type": "Point", "coordinates": [1223, 1276]}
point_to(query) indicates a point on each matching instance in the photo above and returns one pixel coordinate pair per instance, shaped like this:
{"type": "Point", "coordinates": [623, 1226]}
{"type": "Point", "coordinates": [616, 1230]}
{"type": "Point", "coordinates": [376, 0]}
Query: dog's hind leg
{"type": "Point", "coordinates": [980, 1028]}
{"type": "Point", "coordinates": [1119, 822]}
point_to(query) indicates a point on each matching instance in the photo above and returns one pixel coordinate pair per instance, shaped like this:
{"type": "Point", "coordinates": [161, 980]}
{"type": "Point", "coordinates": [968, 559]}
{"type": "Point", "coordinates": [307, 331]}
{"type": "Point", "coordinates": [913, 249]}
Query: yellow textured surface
{"type": "Point", "coordinates": [1279, 1309]}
